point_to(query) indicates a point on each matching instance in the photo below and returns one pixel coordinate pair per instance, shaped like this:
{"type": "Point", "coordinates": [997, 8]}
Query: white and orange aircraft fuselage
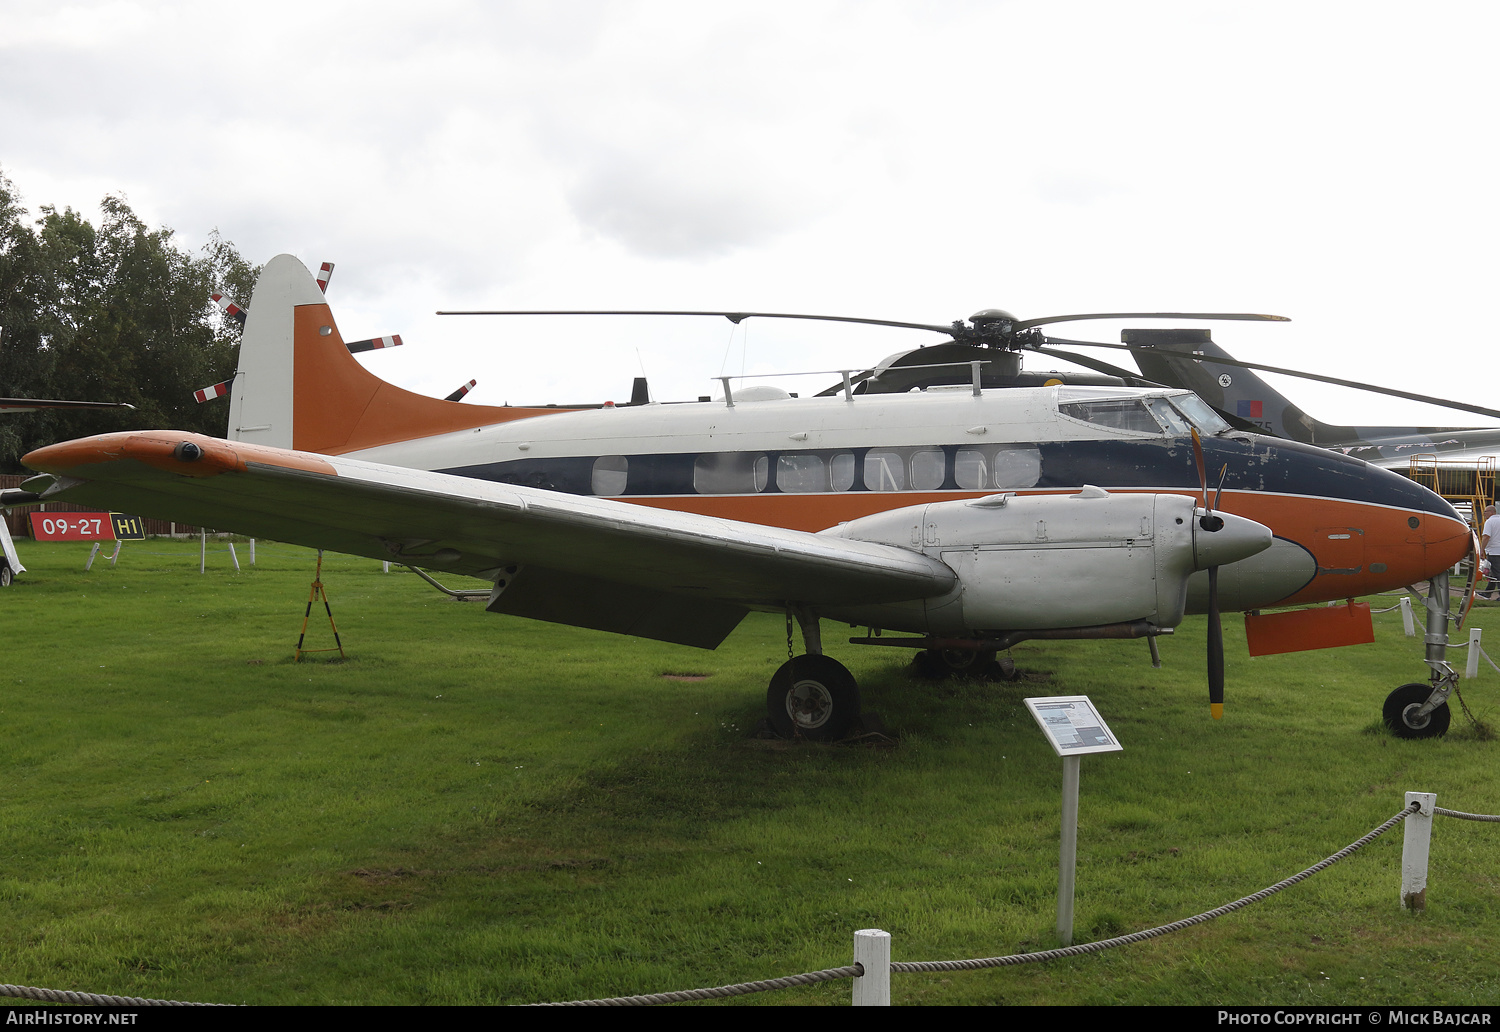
{"type": "Point", "coordinates": [1009, 512]}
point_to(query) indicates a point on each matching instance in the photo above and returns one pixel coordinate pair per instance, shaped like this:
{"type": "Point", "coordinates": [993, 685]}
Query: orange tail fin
{"type": "Point", "coordinates": [299, 387]}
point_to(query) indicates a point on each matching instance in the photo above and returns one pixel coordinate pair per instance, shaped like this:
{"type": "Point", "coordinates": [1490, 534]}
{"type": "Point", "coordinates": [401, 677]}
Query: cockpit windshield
{"type": "Point", "coordinates": [1175, 415]}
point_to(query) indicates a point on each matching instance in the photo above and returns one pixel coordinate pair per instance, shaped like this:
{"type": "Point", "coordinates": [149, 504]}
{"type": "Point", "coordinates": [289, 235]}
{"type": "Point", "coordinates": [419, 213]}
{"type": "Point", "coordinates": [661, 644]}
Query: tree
{"type": "Point", "coordinates": [110, 313]}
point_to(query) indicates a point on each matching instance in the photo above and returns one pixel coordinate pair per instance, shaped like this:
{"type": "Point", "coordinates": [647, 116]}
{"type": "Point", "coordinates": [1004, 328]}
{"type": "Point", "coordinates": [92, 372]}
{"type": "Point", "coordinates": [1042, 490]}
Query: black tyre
{"type": "Point", "coordinates": [6, 574]}
{"type": "Point", "coordinates": [929, 666]}
{"type": "Point", "coordinates": [1402, 703]}
{"type": "Point", "coordinates": [812, 696]}
{"type": "Point", "coordinates": [940, 664]}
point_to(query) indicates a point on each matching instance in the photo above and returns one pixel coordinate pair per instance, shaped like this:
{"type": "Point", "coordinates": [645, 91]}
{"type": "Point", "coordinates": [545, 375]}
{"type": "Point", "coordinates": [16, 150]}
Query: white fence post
{"type": "Point", "coordinates": [872, 949]}
{"type": "Point", "coordinates": [1414, 851]}
{"type": "Point", "coordinates": [1472, 671]}
{"type": "Point", "coordinates": [1406, 620]}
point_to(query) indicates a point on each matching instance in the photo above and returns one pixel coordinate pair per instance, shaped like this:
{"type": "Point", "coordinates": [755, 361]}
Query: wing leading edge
{"type": "Point", "coordinates": [589, 562]}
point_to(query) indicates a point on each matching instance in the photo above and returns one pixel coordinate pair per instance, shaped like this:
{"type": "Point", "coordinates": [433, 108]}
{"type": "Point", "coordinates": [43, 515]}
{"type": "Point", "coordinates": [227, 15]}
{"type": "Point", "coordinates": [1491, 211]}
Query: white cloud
{"type": "Point", "coordinates": [883, 159]}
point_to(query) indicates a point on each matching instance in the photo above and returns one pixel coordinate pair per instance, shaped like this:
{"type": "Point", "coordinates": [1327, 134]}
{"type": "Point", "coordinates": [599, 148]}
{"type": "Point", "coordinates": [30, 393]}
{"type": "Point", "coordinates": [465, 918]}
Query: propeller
{"type": "Point", "coordinates": [1212, 524]}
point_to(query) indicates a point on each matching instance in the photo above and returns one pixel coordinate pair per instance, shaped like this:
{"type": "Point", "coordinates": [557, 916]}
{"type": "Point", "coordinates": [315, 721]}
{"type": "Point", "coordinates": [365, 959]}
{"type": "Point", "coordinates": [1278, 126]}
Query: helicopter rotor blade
{"type": "Point", "coordinates": [1026, 324]}
{"type": "Point", "coordinates": [1133, 379]}
{"type": "Point", "coordinates": [734, 317]}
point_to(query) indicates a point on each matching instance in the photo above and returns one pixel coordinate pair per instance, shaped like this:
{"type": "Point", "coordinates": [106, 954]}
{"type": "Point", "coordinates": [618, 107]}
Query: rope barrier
{"type": "Point", "coordinates": [1151, 933]}
{"type": "Point", "coordinates": [989, 962]}
{"type": "Point", "coordinates": [853, 970]}
{"type": "Point", "coordinates": [28, 992]}
{"type": "Point", "coordinates": [719, 992]}
{"type": "Point", "coordinates": [1467, 816]}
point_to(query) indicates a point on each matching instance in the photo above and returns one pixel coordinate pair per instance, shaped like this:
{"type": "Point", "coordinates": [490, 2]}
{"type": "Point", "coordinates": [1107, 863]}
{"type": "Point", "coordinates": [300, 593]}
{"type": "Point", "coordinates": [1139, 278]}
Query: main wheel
{"type": "Point", "coordinates": [1400, 709]}
{"type": "Point", "coordinates": [940, 664]}
{"type": "Point", "coordinates": [812, 696]}
{"type": "Point", "coordinates": [6, 574]}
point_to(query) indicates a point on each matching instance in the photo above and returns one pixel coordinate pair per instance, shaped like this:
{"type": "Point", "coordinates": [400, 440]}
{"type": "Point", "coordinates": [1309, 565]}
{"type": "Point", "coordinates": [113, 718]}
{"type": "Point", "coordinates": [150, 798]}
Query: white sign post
{"type": "Point", "coordinates": [1073, 727]}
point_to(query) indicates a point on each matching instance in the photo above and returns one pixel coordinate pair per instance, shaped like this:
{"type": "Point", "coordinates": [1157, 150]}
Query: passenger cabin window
{"type": "Point", "coordinates": [728, 473]}
{"type": "Point", "coordinates": [610, 473]}
{"type": "Point", "coordinates": [927, 469]}
{"type": "Point", "coordinates": [885, 471]}
{"type": "Point", "coordinates": [1015, 467]}
{"type": "Point", "coordinates": [841, 471]}
{"type": "Point", "coordinates": [970, 469]}
{"type": "Point", "coordinates": [801, 473]}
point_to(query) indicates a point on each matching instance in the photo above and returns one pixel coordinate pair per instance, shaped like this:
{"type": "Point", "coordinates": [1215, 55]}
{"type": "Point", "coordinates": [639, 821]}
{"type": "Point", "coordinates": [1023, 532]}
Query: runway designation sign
{"type": "Point", "coordinates": [86, 526]}
{"type": "Point", "coordinates": [1072, 725]}
{"type": "Point", "coordinates": [72, 526]}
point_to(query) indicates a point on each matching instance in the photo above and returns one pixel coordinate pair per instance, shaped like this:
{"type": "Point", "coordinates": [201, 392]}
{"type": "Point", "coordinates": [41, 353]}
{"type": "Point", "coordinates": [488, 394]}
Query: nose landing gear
{"type": "Point", "coordinates": [1421, 710]}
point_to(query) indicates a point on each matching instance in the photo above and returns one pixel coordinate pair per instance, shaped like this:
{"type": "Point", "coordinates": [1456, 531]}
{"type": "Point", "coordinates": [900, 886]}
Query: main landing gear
{"type": "Point", "coordinates": [941, 664]}
{"type": "Point", "coordinates": [1421, 710]}
{"type": "Point", "coordinates": [812, 696]}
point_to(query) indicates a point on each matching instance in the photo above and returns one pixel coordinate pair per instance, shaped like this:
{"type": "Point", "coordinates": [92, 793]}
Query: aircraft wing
{"type": "Point", "coordinates": [585, 561]}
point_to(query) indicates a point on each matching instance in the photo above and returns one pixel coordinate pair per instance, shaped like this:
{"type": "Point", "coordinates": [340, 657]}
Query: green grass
{"type": "Point", "coordinates": [477, 809]}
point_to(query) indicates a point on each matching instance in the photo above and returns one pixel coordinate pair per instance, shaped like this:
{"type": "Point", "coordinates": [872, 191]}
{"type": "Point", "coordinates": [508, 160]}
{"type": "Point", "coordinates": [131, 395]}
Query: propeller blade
{"type": "Point", "coordinates": [1224, 472]}
{"type": "Point", "coordinates": [1215, 648]}
{"type": "Point", "coordinates": [1026, 324]}
{"type": "Point", "coordinates": [1202, 470]}
{"type": "Point", "coordinates": [1357, 385]}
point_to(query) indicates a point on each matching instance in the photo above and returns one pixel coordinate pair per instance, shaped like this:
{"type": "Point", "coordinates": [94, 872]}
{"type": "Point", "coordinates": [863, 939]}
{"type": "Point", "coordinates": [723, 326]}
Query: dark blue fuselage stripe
{"type": "Point", "coordinates": [1254, 464]}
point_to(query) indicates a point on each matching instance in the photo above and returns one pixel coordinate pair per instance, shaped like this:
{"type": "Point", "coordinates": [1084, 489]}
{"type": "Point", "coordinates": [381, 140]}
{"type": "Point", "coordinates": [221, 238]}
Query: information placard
{"type": "Point", "coordinates": [1073, 725]}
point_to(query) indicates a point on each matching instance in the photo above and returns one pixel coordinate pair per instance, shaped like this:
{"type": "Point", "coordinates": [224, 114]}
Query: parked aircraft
{"type": "Point", "coordinates": [968, 518]}
{"type": "Point", "coordinates": [10, 562]}
{"type": "Point", "coordinates": [1190, 359]}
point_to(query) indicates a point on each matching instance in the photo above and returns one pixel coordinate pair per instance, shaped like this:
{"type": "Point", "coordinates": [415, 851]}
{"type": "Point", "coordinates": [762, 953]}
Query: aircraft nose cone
{"type": "Point", "coordinates": [1237, 539]}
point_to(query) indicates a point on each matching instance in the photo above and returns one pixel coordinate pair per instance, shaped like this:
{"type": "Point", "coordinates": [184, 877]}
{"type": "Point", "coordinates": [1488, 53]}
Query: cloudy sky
{"type": "Point", "coordinates": [1328, 161]}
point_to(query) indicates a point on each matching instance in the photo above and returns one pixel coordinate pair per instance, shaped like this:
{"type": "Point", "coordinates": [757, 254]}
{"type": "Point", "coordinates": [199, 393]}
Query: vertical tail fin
{"type": "Point", "coordinates": [1185, 358]}
{"type": "Point", "coordinates": [299, 387]}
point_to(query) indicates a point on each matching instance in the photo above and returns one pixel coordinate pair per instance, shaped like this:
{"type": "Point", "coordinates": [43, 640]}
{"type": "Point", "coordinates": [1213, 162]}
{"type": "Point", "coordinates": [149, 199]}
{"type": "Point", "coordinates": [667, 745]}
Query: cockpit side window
{"type": "Point", "coordinates": [1117, 414]}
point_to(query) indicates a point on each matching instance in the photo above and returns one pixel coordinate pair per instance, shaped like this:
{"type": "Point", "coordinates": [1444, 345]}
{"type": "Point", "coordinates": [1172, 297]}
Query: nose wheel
{"type": "Point", "coordinates": [814, 697]}
{"type": "Point", "coordinates": [1402, 713]}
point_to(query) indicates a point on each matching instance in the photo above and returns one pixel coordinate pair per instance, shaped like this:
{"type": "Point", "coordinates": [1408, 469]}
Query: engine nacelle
{"type": "Point", "coordinates": [1048, 562]}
